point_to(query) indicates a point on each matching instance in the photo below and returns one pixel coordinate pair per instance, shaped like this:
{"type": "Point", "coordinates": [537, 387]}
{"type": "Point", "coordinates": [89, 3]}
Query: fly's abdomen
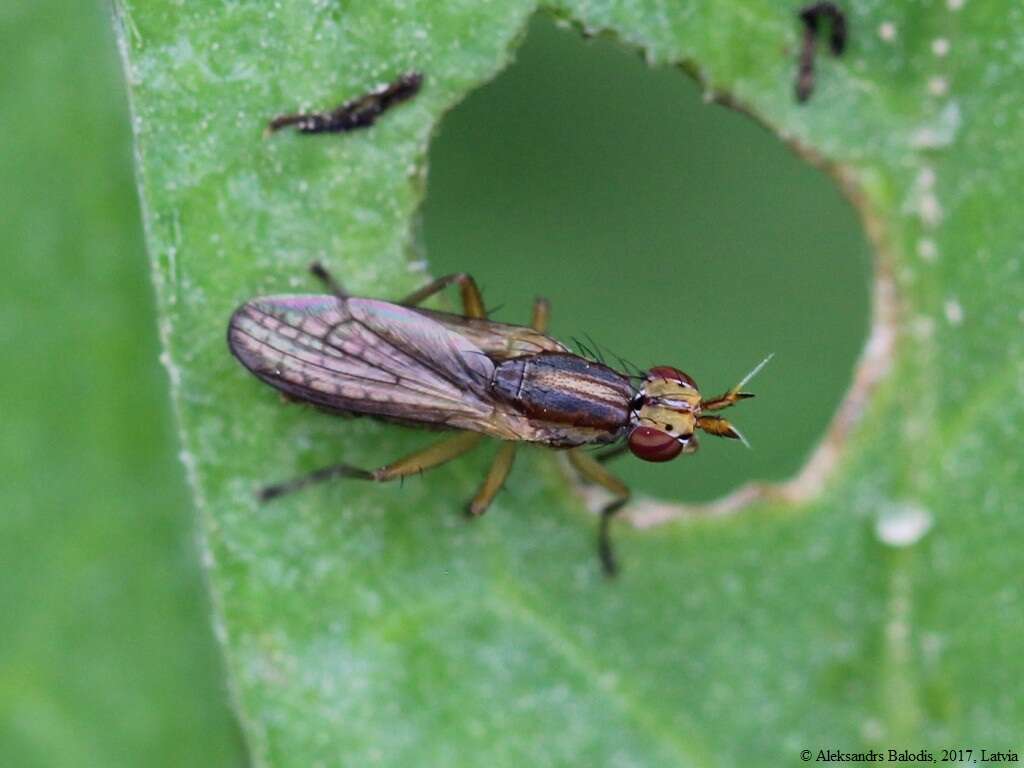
{"type": "Point", "coordinates": [565, 389]}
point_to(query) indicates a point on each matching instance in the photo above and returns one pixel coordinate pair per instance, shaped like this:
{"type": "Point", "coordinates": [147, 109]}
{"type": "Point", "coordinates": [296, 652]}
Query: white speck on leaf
{"type": "Point", "coordinates": [902, 525]}
{"type": "Point", "coordinates": [927, 249]}
{"type": "Point", "coordinates": [954, 312]}
{"type": "Point", "coordinates": [938, 86]}
{"type": "Point", "coordinates": [887, 31]}
{"type": "Point", "coordinates": [931, 210]}
{"type": "Point", "coordinates": [872, 730]}
{"type": "Point", "coordinates": [941, 132]}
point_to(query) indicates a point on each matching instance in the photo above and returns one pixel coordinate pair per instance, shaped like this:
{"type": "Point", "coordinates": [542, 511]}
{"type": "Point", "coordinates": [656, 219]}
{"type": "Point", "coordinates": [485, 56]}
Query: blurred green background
{"type": "Point", "coordinates": [579, 174]}
{"type": "Point", "coordinates": [106, 653]}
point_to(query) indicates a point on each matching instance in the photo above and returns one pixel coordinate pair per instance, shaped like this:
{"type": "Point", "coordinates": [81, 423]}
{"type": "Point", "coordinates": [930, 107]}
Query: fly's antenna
{"type": "Point", "coordinates": [756, 370]}
{"type": "Point", "coordinates": [735, 394]}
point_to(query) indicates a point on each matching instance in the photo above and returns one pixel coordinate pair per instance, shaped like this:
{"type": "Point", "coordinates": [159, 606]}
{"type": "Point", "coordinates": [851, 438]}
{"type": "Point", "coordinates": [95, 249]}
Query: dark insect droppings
{"type": "Point", "coordinates": [358, 113]}
{"type": "Point", "coordinates": [811, 16]}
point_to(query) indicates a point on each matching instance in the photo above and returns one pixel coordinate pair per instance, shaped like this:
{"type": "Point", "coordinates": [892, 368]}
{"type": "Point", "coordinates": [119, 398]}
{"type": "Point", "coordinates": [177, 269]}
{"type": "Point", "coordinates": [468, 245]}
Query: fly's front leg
{"type": "Point", "coordinates": [611, 453]}
{"type": "Point", "coordinates": [496, 476]}
{"type": "Point", "coordinates": [592, 470]}
{"type": "Point", "coordinates": [472, 301]}
{"type": "Point", "coordinates": [420, 461]}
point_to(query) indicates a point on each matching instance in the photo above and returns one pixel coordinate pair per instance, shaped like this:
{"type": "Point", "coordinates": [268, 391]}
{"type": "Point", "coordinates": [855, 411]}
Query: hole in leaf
{"type": "Point", "coordinates": [668, 230]}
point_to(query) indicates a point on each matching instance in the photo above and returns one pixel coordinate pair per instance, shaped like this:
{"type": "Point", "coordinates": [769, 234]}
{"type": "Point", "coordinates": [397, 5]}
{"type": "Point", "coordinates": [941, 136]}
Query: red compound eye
{"type": "Point", "coordinates": [652, 444]}
{"type": "Point", "coordinates": [672, 374]}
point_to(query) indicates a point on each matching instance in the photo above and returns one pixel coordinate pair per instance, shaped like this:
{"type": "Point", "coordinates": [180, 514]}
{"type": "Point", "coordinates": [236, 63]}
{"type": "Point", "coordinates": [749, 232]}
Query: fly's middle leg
{"type": "Point", "coordinates": [591, 469]}
{"type": "Point", "coordinates": [496, 477]}
{"type": "Point", "coordinates": [506, 454]}
{"type": "Point", "coordinates": [415, 463]}
{"type": "Point", "coordinates": [472, 301]}
{"type": "Point", "coordinates": [502, 463]}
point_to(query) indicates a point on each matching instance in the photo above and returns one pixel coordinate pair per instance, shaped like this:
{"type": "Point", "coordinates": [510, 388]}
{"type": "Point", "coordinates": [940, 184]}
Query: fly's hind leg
{"type": "Point", "coordinates": [472, 301]}
{"type": "Point", "coordinates": [415, 463]}
{"type": "Point", "coordinates": [592, 470]}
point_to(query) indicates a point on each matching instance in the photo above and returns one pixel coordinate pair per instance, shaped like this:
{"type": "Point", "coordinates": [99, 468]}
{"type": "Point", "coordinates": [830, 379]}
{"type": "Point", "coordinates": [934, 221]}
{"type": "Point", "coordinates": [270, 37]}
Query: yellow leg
{"type": "Point", "coordinates": [541, 314]}
{"type": "Point", "coordinates": [591, 469]}
{"type": "Point", "coordinates": [502, 463]}
{"type": "Point", "coordinates": [421, 461]}
{"type": "Point", "coordinates": [496, 476]}
{"type": "Point", "coordinates": [472, 301]}
{"type": "Point", "coordinates": [432, 456]}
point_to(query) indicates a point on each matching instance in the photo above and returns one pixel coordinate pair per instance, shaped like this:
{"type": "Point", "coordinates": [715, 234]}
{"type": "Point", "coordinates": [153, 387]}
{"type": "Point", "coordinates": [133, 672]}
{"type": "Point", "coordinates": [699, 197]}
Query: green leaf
{"type": "Point", "coordinates": [106, 654]}
{"type": "Point", "coordinates": [873, 604]}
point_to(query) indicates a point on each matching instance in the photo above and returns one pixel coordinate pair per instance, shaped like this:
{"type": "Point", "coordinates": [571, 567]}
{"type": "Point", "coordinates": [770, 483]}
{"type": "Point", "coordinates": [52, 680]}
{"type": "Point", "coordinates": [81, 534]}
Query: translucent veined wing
{"type": "Point", "coordinates": [365, 356]}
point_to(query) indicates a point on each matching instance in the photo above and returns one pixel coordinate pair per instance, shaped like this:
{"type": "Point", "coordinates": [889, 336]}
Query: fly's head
{"type": "Point", "coordinates": [665, 413]}
{"type": "Point", "coordinates": [669, 408]}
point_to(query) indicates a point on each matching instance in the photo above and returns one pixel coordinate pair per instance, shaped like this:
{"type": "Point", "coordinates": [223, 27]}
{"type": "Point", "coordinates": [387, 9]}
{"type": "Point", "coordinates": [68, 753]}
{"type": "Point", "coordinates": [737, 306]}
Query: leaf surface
{"type": "Point", "coordinates": [371, 624]}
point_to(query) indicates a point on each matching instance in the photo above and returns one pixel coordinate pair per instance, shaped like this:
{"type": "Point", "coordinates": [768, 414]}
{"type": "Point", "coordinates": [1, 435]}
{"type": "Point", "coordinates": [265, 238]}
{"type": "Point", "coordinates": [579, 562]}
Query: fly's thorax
{"type": "Point", "coordinates": [562, 388]}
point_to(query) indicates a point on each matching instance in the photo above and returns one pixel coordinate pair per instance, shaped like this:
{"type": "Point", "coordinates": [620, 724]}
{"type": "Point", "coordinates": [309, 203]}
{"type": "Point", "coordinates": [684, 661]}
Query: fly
{"type": "Point", "coordinates": [419, 367]}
